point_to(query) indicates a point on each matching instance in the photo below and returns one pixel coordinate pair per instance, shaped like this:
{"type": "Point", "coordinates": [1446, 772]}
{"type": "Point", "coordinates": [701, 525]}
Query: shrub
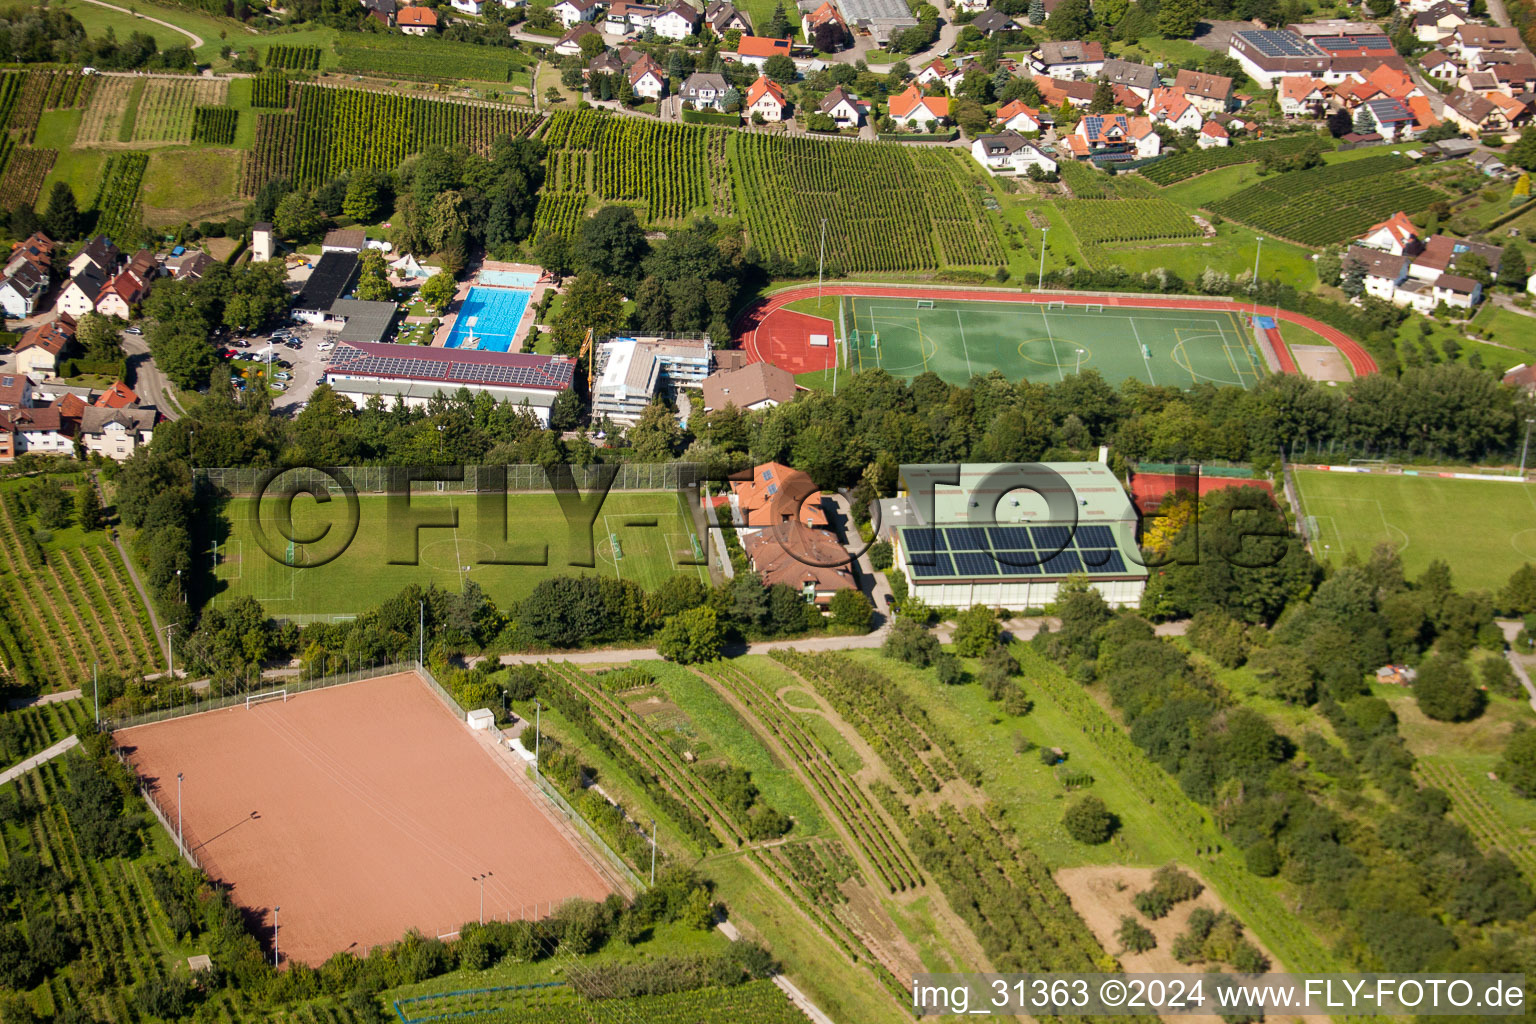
{"type": "Point", "coordinates": [949, 669]}
{"type": "Point", "coordinates": [1089, 821]}
{"type": "Point", "coordinates": [881, 557]}
{"type": "Point", "coordinates": [1134, 936]}
{"type": "Point", "coordinates": [1445, 690]}
{"type": "Point", "coordinates": [976, 631]}
{"type": "Point", "coordinates": [1262, 858]}
{"type": "Point", "coordinates": [908, 641]}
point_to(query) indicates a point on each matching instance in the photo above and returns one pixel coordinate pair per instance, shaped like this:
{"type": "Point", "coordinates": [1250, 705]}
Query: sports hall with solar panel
{"type": "Point", "coordinates": [991, 542]}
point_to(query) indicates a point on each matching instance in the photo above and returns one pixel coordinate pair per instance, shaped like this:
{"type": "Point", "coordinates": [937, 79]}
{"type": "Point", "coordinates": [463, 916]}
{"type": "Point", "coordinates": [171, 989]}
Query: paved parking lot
{"type": "Point", "coordinates": [308, 364]}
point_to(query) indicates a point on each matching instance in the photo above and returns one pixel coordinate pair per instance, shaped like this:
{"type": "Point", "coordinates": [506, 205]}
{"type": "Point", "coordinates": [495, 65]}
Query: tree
{"type": "Point", "coordinates": [438, 290]}
{"type": "Point", "coordinates": [1037, 12]}
{"type": "Point", "coordinates": [590, 303]}
{"type": "Point", "coordinates": [88, 510]}
{"type": "Point", "coordinates": [778, 25]}
{"type": "Point", "coordinates": [61, 217]}
{"type": "Point", "coordinates": [373, 278]}
{"type": "Point", "coordinates": [976, 631]}
{"type": "Point", "coordinates": [1177, 19]}
{"type": "Point", "coordinates": [611, 244]}
{"type": "Point", "coordinates": [1339, 123]}
{"type": "Point", "coordinates": [1475, 266]}
{"type": "Point", "coordinates": [362, 199]}
{"type": "Point", "coordinates": [1072, 19]}
{"type": "Point", "coordinates": [1518, 765]}
{"type": "Point", "coordinates": [1513, 270]}
{"type": "Point", "coordinates": [297, 216]}
{"type": "Point", "coordinates": [971, 117]}
{"type": "Point", "coordinates": [51, 504]}
{"type": "Point", "coordinates": [690, 636]}
{"type": "Point", "coordinates": [1089, 821]}
{"type": "Point", "coordinates": [911, 642]}
{"type": "Point", "coordinates": [100, 336]}
{"type": "Point", "coordinates": [1364, 124]}
{"type": "Point", "coordinates": [655, 436]}
{"type": "Point", "coordinates": [1446, 691]}
{"type": "Point", "coordinates": [948, 669]}
{"type": "Point", "coordinates": [553, 253]}
{"type": "Point", "coordinates": [851, 610]}
{"type": "Point", "coordinates": [1103, 99]}
{"type": "Point", "coordinates": [1135, 937]}
{"type": "Point", "coordinates": [781, 68]}
{"type": "Point", "coordinates": [181, 351]}
{"type": "Point", "coordinates": [1519, 594]}
{"type": "Point", "coordinates": [1352, 280]}
{"type": "Point", "coordinates": [1523, 152]}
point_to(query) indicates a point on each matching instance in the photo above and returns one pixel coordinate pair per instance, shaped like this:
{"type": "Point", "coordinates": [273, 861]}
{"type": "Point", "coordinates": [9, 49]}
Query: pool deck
{"type": "Point", "coordinates": [524, 326]}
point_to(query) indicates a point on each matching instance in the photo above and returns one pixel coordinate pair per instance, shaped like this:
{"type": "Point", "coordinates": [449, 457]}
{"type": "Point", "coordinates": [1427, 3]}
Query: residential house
{"type": "Point", "coordinates": [344, 240]}
{"type": "Point", "coordinates": [647, 80]}
{"type": "Point", "coordinates": [705, 90]}
{"type": "Point", "coordinates": [1115, 136]}
{"type": "Point", "coordinates": [1304, 96]}
{"type": "Point", "coordinates": [79, 296]}
{"type": "Point", "coordinates": [1515, 78]}
{"type": "Point", "coordinates": [723, 17]}
{"type": "Point", "coordinates": [569, 45]}
{"type": "Point", "coordinates": [1515, 109]}
{"type": "Point", "coordinates": [1056, 91]}
{"type": "Point", "coordinates": [1138, 78]}
{"type": "Point", "coordinates": [187, 264]}
{"type": "Point", "coordinates": [991, 21]}
{"type": "Point", "coordinates": [1170, 107]}
{"type": "Point", "coordinates": [844, 108]}
{"type": "Point", "coordinates": [774, 495]}
{"type": "Point", "coordinates": [1473, 113]}
{"type": "Point", "coordinates": [754, 386]}
{"type": "Point", "coordinates": [1392, 118]}
{"type": "Point", "coordinates": [1443, 253]}
{"type": "Point", "coordinates": [574, 12]}
{"type": "Point", "coordinates": [1383, 271]}
{"type": "Point", "coordinates": [624, 18]}
{"type": "Point", "coordinates": [41, 429]}
{"type": "Point", "coordinates": [755, 50]}
{"type": "Point", "coordinates": [1069, 58]}
{"type": "Point", "coordinates": [118, 396]}
{"type": "Point", "coordinates": [765, 97]}
{"type": "Point", "coordinates": [943, 73]}
{"type": "Point", "coordinates": [37, 250]}
{"type": "Point", "coordinates": [99, 253]}
{"type": "Point", "coordinates": [911, 109]}
{"type": "Point", "coordinates": [1017, 116]}
{"type": "Point", "coordinates": [1439, 22]}
{"type": "Point", "coordinates": [1396, 235]}
{"type": "Point", "coordinates": [416, 21]}
{"type": "Point", "coordinates": [609, 62]}
{"type": "Point", "coordinates": [40, 349]}
{"type": "Point", "coordinates": [381, 11]}
{"type": "Point", "coordinates": [812, 562]}
{"type": "Point", "coordinates": [1477, 44]}
{"type": "Point", "coordinates": [1212, 134]}
{"type": "Point", "coordinates": [116, 433]}
{"type": "Point", "coordinates": [825, 21]}
{"type": "Point", "coordinates": [475, 7]}
{"type": "Point", "coordinates": [1010, 153]}
{"type": "Point", "coordinates": [677, 20]}
{"type": "Point", "coordinates": [22, 289]}
{"type": "Point", "coordinates": [1441, 66]}
{"type": "Point", "coordinates": [15, 390]}
{"type": "Point", "coordinates": [1211, 94]}
{"type": "Point", "coordinates": [122, 295]}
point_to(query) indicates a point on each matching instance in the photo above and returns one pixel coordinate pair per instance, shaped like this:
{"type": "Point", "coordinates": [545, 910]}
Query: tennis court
{"type": "Point", "coordinates": [959, 338]}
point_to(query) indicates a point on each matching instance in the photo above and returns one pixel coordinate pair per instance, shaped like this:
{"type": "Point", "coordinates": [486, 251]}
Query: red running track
{"type": "Point", "coordinates": [768, 332]}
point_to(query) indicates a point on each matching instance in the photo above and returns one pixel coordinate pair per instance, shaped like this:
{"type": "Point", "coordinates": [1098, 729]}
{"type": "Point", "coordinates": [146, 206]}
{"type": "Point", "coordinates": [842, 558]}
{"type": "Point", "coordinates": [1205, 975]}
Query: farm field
{"type": "Point", "coordinates": [1480, 528]}
{"type": "Point", "coordinates": [190, 184]}
{"type": "Point", "coordinates": [394, 56]}
{"type": "Point", "coordinates": [367, 878]}
{"type": "Point", "coordinates": [68, 604]}
{"type": "Point", "coordinates": [167, 109]}
{"type": "Point", "coordinates": [1331, 203]}
{"type": "Point", "coordinates": [119, 201]}
{"type": "Point", "coordinates": [648, 554]}
{"type": "Point", "coordinates": [1193, 162]}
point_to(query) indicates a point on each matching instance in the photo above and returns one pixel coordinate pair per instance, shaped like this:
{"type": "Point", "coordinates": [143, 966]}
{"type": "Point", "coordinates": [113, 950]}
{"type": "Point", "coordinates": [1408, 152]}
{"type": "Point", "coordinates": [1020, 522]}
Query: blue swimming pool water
{"type": "Point", "coordinates": [508, 278]}
{"type": "Point", "coordinates": [496, 313]}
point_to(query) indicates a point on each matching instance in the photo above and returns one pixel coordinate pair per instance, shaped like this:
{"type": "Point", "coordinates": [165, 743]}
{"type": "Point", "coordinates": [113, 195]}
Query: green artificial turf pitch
{"type": "Point", "coordinates": [655, 539]}
{"type": "Point", "coordinates": [1483, 529]}
{"type": "Point", "coordinates": [960, 338]}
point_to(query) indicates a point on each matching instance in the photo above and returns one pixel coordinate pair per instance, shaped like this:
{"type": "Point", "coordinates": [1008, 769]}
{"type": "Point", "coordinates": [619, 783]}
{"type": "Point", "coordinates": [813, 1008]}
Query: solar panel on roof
{"type": "Point", "coordinates": [922, 539]}
{"type": "Point", "coordinates": [966, 538]}
{"type": "Point", "coordinates": [1051, 538]}
{"type": "Point", "coordinates": [1063, 564]}
{"type": "Point", "coordinates": [1095, 537]}
{"type": "Point", "coordinates": [1017, 556]}
{"type": "Point", "coordinates": [1009, 536]}
{"type": "Point", "coordinates": [1093, 558]}
{"type": "Point", "coordinates": [975, 563]}
{"type": "Point", "coordinates": [940, 565]}
{"type": "Point", "coordinates": [1115, 564]}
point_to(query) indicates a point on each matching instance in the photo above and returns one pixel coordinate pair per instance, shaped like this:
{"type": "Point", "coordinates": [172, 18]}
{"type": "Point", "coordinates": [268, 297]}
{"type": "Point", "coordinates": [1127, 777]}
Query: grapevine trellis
{"type": "Point", "coordinates": [339, 130]}
{"type": "Point", "coordinates": [395, 56]}
{"type": "Point", "coordinates": [166, 110]}
{"type": "Point", "coordinates": [215, 125]}
{"type": "Point", "coordinates": [269, 90]}
{"type": "Point", "coordinates": [1127, 220]}
{"type": "Point", "coordinates": [1328, 204]}
{"type": "Point", "coordinates": [295, 58]}
{"type": "Point", "coordinates": [24, 172]}
{"type": "Point", "coordinates": [1197, 161]}
{"type": "Point", "coordinates": [118, 198]}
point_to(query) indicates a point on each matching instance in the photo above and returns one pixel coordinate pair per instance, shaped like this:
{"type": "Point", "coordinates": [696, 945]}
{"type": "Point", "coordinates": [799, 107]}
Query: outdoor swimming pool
{"type": "Point", "coordinates": [508, 279]}
{"type": "Point", "coordinates": [495, 313]}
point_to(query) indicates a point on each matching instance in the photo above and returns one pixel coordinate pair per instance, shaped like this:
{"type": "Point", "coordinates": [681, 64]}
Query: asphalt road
{"type": "Point", "coordinates": [146, 379]}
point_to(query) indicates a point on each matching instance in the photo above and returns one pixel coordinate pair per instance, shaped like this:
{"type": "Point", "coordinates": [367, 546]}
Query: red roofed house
{"type": "Point", "coordinates": [776, 494]}
{"type": "Point", "coordinates": [1056, 91]}
{"type": "Point", "coordinates": [647, 79]}
{"type": "Point", "coordinates": [755, 50]}
{"type": "Point", "coordinates": [1172, 108]}
{"type": "Point", "coordinates": [765, 97]}
{"type": "Point", "coordinates": [118, 396]}
{"type": "Point", "coordinates": [38, 352]}
{"type": "Point", "coordinates": [826, 21]}
{"type": "Point", "coordinates": [121, 295]}
{"type": "Point", "coordinates": [1019, 117]}
{"type": "Point", "coordinates": [942, 72]}
{"type": "Point", "coordinates": [911, 109]}
{"type": "Point", "coordinates": [36, 250]}
{"type": "Point", "coordinates": [1395, 235]}
{"type": "Point", "coordinates": [1211, 94]}
{"type": "Point", "coordinates": [1212, 134]}
{"type": "Point", "coordinates": [416, 21]}
{"type": "Point", "coordinates": [810, 561]}
{"type": "Point", "coordinates": [1304, 96]}
{"type": "Point", "coordinates": [1115, 133]}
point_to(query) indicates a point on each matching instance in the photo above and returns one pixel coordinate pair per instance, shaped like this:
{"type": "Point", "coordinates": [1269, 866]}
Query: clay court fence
{"type": "Point", "coordinates": [589, 833]}
{"type": "Point", "coordinates": [632, 476]}
{"type": "Point", "coordinates": [186, 840]}
{"type": "Point", "coordinates": [292, 685]}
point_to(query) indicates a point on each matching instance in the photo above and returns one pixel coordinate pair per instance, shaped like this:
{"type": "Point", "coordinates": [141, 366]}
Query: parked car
{"type": "Point", "coordinates": [282, 375]}
{"type": "Point", "coordinates": [240, 343]}
{"type": "Point", "coordinates": [134, 330]}
{"type": "Point", "coordinates": [278, 385]}
{"type": "Point", "coordinates": [326, 346]}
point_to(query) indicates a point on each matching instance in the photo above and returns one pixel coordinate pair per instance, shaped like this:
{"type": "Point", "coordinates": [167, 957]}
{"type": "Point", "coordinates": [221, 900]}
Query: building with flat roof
{"type": "Point", "coordinates": [358, 320]}
{"type": "Point", "coordinates": [1004, 539]}
{"type": "Point", "coordinates": [1268, 55]}
{"type": "Point", "coordinates": [334, 275]}
{"type": "Point", "coordinates": [633, 371]}
{"type": "Point", "coordinates": [880, 18]}
{"type": "Point", "coordinates": [415, 373]}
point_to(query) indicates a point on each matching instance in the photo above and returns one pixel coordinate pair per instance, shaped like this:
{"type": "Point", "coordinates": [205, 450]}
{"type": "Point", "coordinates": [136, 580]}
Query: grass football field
{"type": "Point", "coordinates": [958, 338]}
{"type": "Point", "coordinates": [654, 534]}
{"type": "Point", "coordinates": [1483, 529]}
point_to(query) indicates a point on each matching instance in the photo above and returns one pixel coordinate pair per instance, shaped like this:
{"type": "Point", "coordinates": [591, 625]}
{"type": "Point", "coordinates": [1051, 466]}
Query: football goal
{"type": "Point", "coordinates": [253, 699]}
{"type": "Point", "coordinates": [1094, 307]}
{"type": "Point", "coordinates": [1055, 304]}
{"type": "Point", "coordinates": [924, 303]}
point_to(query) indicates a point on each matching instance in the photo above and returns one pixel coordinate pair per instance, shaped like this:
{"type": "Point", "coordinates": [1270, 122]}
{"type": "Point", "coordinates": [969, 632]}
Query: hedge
{"type": "Point", "coordinates": [710, 117]}
{"type": "Point", "coordinates": [117, 369]}
{"type": "Point", "coordinates": [949, 136]}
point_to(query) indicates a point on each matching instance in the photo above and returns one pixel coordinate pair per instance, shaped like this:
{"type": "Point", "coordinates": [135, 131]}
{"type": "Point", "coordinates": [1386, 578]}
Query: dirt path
{"type": "Point", "coordinates": [197, 40]}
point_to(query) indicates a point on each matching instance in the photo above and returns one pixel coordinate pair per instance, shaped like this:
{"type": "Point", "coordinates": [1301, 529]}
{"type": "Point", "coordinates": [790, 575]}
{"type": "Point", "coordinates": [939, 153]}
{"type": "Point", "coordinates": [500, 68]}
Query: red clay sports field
{"type": "Point", "coordinates": [959, 332]}
{"type": "Point", "coordinates": [363, 811]}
